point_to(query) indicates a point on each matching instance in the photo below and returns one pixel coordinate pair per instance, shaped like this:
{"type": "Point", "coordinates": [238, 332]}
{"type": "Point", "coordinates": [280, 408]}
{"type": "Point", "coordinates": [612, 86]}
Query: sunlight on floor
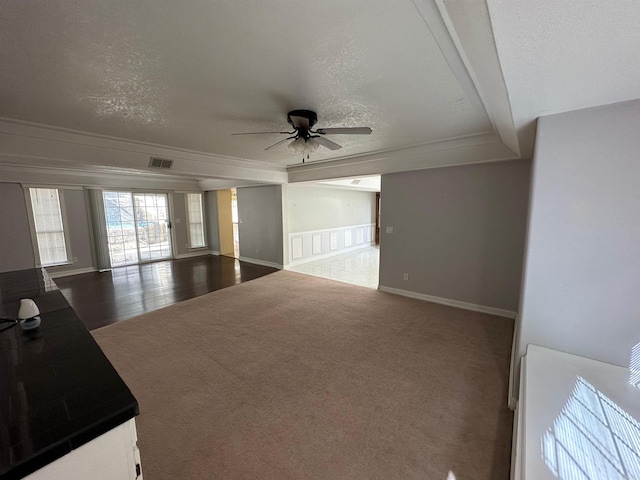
{"type": "Point", "coordinates": [592, 438]}
{"type": "Point", "coordinates": [451, 476]}
{"type": "Point", "coordinates": [634, 366]}
{"type": "Point", "coordinates": [358, 267]}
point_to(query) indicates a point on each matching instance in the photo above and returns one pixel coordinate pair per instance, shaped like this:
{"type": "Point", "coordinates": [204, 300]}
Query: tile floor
{"type": "Point", "coordinates": [359, 267]}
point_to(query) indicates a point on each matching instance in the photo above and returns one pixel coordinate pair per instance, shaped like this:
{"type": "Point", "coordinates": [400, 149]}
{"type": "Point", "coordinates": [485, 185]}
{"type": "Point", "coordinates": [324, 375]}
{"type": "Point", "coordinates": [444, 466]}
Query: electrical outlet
{"type": "Point", "coordinates": [389, 229]}
{"type": "Point", "coordinates": [406, 276]}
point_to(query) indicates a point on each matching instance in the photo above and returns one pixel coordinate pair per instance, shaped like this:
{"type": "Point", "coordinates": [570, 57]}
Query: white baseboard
{"type": "Point", "coordinates": [68, 273]}
{"type": "Point", "coordinates": [197, 253]}
{"type": "Point", "coordinates": [514, 363]}
{"type": "Point", "coordinates": [214, 252]}
{"type": "Point", "coordinates": [260, 262]}
{"type": "Point", "coordinates": [295, 263]}
{"type": "Point", "coordinates": [451, 303]}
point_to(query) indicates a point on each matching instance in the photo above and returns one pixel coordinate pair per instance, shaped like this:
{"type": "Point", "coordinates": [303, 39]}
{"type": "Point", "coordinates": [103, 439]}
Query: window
{"type": "Point", "coordinates": [48, 226]}
{"type": "Point", "coordinates": [195, 219]}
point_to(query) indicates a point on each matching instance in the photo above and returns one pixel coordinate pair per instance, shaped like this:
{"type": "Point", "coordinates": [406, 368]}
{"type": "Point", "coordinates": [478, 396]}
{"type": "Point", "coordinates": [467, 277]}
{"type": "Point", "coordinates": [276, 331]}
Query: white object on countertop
{"type": "Point", "coordinates": [28, 314]}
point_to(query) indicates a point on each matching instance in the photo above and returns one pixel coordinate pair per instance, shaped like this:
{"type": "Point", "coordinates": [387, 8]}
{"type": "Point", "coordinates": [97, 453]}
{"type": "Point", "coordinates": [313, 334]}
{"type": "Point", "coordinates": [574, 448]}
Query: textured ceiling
{"type": "Point", "coordinates": [440, 82]}
{"type": "Point", "coordinates": [187, 74]}
{"type": "Point", "coordinates": [562, 56]}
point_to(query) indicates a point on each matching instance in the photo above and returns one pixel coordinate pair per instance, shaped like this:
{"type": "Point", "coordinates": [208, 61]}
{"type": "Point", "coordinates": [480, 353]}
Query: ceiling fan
{"type": "Point", "coordinates": [306, 140]}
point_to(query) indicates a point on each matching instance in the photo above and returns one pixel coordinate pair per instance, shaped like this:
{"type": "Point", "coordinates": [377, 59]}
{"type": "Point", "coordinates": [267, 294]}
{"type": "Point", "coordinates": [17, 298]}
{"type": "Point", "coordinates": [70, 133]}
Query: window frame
{"type": "Point", "coordinates": [32, 225]}
{"type": "Point", "coordinates": [202, 216]}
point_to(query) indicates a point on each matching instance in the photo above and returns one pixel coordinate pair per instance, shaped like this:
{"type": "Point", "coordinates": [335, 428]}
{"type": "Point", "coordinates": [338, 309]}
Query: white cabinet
{"type": "Point", "coordinates": [576, 419]}
{"type": "Point", "coordinates": [112, 456]}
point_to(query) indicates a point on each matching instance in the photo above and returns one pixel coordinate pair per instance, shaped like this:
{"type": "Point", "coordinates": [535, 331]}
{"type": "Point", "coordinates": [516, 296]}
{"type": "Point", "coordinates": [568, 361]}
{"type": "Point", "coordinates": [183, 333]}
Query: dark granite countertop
{"type": "Point", "coordinates": [58, 391]}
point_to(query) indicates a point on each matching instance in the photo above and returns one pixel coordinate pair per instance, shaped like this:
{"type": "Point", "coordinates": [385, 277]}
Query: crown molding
{"type": "Point", "coordinates": [38, 130]}
{"type": "Point", "coordinates": [26, 144]}
{"type": "Point", "coordinates": [460, 151]}
{"type": "Point", "coordinates": [207, 184]}
{"type": "Point", "coordinates": [92, 178]}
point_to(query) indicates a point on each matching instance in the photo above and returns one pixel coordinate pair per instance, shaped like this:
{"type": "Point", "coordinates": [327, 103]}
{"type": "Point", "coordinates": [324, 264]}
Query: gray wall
{"type": "Point", "coordinates": [211, 220]}
{"type": "Point", "coordinates": [180, 224]}
{"type": "Point", "coordinates": [79, 229]}
{"type": "Point", "coordinates": [458, 232]}
{"type": "Point", "coordinates": [582, 275]}
{"type": "Point", "coordinates": [318, 208]}
{"type": "Point", "coordinates": [16, 252]}
{"type": "Point", "coordinates": [261, 227]}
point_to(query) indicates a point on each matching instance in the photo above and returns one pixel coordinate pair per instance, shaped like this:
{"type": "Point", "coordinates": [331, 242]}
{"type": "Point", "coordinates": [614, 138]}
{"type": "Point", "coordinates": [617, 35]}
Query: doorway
{"type": "Point", "coordinates": [334, 229]}
{"type": "Point", "coordinates": [138, 227]}
{"type": "Point", "coordinates": [227, 224]}
{"type": "Point", "coordinates": [377, 218]}
{"type": "Point", "coordinates": [234, 220]}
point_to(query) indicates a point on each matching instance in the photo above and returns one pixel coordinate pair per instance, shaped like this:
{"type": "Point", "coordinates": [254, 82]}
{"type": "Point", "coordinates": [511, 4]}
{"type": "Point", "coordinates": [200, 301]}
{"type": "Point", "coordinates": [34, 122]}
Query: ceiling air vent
{"type": "Point", "coordinates": [160, 163]}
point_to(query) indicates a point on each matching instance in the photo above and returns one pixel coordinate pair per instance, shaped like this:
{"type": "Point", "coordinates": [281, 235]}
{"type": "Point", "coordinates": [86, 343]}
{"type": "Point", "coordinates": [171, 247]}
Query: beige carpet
{"type": "Point", "coordinates": [291, 377]}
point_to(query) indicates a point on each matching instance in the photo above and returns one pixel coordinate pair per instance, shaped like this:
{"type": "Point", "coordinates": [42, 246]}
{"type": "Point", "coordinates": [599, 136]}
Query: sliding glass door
{"type": "Point", "coordinates": [152, 215]}
{"type": "Point", "coordinates": [138, 227]}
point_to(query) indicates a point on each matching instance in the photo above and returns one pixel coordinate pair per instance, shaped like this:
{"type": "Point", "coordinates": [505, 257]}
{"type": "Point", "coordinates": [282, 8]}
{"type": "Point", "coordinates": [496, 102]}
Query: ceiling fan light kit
{"type": "Point", "coordinates": [304, 145]}
{"type": "Point", "coordinates": [305, 140]}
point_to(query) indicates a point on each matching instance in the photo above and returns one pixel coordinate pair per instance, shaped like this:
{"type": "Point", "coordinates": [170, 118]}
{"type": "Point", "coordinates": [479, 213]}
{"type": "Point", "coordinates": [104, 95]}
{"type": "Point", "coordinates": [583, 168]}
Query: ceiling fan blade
{"type": "Point", "coordinates": [345, 131]}
{"type": "Point", "coordinates": [325, 142]}
{"type": "Point", "coordinates": [278, 143]}
{"type": "Point", "coordinates": [262, 133]}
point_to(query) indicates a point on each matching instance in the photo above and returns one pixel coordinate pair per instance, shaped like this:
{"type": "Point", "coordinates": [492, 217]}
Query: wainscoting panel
{"type": "Point", "coordinates": [333, 243]}
{"type": "Point", "coordinates": [307, 246]}
{"type": "Point", "coordinates": [296, 248]}
{"type": "Point", "coordinates": [316, 240]}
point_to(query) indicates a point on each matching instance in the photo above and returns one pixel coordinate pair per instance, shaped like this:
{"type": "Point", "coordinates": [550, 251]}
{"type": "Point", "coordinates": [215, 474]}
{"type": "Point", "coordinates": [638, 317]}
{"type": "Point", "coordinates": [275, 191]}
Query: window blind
{"type": "Point", "coordinates": [195, 219]}
{"type": "Point", "coordinates": [47, 217]}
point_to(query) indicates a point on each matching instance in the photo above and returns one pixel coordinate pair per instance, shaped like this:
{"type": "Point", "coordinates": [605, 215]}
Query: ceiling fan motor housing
{"type": "Point", "coordinates": [302, 119]}
{"type": "Point", "coordinates": [305, 139]}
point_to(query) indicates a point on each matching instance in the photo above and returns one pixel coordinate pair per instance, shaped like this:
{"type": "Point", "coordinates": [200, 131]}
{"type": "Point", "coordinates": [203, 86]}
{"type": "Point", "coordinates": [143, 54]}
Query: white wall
{"type": "Point", "coordinates": [325, 221]}
{"type": "Point", "coordinates": [458, 233]}
{"type": "Point", "coordinates": [313, 207]}
{"type": "Point", "coordinates": [581, 287]}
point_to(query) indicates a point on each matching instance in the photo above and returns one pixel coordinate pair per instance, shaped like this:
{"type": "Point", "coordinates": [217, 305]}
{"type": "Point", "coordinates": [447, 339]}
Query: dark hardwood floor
{"type": "Point", "coordinates": [104, 298]}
